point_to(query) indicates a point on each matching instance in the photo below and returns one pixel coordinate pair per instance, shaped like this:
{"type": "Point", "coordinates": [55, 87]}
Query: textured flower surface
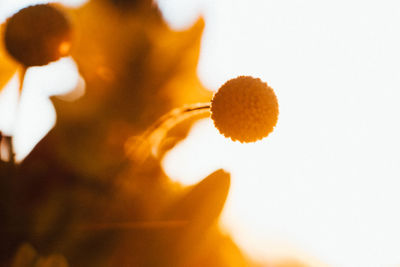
{"type": "Point", "coordinates": [245, 109]}
{"type": "Point", "coordinates": [37, 35]}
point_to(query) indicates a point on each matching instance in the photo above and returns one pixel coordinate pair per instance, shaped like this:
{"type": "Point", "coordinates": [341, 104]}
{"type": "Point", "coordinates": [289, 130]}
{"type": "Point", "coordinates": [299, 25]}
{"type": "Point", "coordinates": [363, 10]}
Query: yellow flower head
{"type": "Point", "coordinates": [245, 109]}
{"type": "Point", "coordinates": [37, 35]}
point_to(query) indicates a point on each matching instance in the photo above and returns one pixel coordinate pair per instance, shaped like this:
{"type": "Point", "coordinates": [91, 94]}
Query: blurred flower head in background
{"type": "Point", "coordinates": [37, 35]}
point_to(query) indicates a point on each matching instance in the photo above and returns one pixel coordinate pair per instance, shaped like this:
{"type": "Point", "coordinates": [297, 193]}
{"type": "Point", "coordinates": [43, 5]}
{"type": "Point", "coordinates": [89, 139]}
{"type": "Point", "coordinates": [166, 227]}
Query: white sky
{"type": "Point", "coordinates": [9, 7]}
{"type": "Point", "coordinates": [327, 181]}
{"type": "Point", "coordinates": [30, 119]}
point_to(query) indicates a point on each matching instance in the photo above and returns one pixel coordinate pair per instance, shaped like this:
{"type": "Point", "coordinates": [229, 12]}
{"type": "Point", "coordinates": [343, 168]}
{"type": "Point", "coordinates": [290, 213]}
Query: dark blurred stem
{"type": "Point", "coordinates": [11, 154]}
{"type": "Point", "coordinates": [8, 139]}
{"type": "Point", "coordinates": [7, 148]}
{"type": "Point", "coordinates": [21, 80]}
{"type": "Point", "coordinates": [139, 148]}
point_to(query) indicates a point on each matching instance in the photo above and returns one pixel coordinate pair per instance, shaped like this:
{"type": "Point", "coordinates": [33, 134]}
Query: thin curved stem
{"type": "Point", "coordinates": [139, 148]}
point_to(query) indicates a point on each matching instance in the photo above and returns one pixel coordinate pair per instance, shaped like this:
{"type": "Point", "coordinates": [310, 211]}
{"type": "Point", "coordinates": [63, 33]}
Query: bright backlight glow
{"type": "Point", "coordinates": [9, 7]}
{"type": "Point", "coordinates": [30, 119]}
{"type": "Point", "coordinates": [326, 181]}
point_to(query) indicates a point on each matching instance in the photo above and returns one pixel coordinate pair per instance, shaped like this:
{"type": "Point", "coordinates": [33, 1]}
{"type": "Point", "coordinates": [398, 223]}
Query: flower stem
{"type": "Point", "coordinates": [139, 148]}
{"type": "Point", "coordinates": [21, 79]}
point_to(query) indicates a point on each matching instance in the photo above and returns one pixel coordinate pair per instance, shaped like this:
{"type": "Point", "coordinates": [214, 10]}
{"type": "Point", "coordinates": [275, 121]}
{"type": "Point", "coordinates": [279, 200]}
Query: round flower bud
{"type": "Point", "coordinates": [37, 35]}
{"type": "Point", "coordinates": [245, 109]}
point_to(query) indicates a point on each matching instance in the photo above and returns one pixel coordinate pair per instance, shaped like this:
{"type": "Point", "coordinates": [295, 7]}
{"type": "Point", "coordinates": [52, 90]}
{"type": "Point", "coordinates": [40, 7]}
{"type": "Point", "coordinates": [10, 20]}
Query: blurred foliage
{"type": "Point", "coordinates": [27, 256]}
{"type": "Point", "coordinates": [77, 194]}
{"type": "Point", "coordinates": [7, 66]}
